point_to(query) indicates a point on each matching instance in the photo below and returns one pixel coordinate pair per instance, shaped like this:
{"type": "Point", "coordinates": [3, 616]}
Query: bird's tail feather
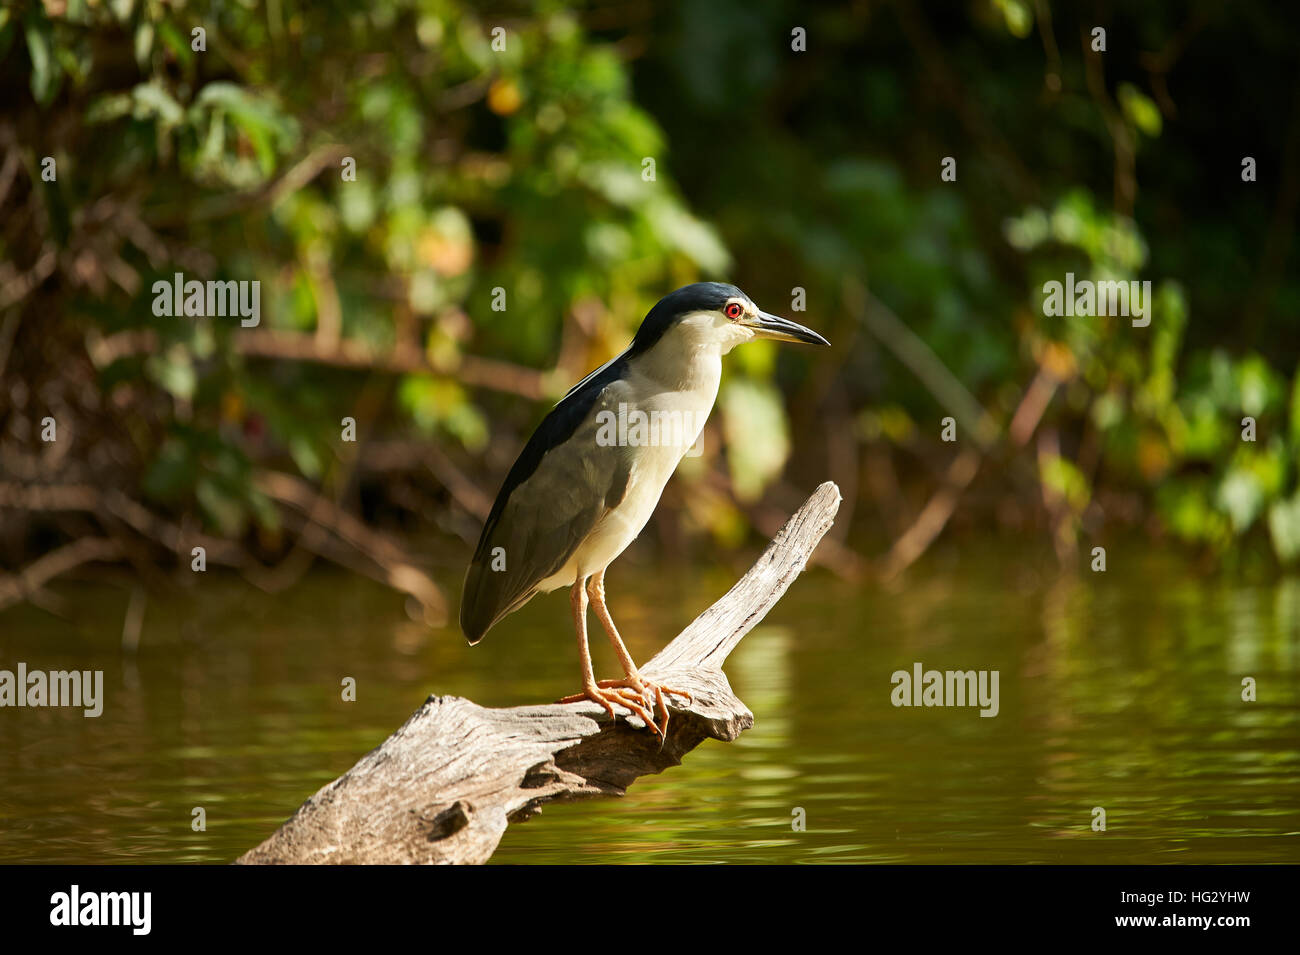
{"type": "Point", "coordinates": [475, 616]}
{"type": "Point", "coordinates": [481, 606]}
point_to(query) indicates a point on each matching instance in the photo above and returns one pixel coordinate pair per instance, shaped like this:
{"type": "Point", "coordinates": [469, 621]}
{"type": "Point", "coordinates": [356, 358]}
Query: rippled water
{"type": "Point", "coordinates": [1120, 691]}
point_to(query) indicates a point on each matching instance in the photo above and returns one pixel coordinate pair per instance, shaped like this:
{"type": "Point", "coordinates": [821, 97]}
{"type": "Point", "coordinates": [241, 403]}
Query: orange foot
{"type": "Point", "coordinates": [607, 695]}
{"type": "Point", "coordinates": [645, 689]}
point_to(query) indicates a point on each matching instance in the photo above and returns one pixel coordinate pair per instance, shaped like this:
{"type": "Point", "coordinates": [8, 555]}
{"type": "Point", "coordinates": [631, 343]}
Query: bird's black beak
{"type": "Point", "coordinates": [783, 330]}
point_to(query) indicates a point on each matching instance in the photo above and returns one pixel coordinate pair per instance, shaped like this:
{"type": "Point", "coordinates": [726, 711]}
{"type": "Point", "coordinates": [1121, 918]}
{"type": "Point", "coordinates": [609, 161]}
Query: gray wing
{"type": "Point", "coordinates": [540, 519]}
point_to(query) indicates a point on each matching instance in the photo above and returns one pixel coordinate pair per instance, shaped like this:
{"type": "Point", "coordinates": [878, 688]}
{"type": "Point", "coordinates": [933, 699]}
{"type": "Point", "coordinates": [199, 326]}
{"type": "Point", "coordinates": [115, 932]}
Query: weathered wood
{"type": "Point", "coordinates": [444, 787]}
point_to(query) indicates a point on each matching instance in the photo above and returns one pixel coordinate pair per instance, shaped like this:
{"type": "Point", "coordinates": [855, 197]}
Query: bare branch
{"type": "Point", "coordinates": [398, 569]}
{"type": "Point", "coordinates": [15, 588]}
{"type": "Point", "coordinates": [345, 353]}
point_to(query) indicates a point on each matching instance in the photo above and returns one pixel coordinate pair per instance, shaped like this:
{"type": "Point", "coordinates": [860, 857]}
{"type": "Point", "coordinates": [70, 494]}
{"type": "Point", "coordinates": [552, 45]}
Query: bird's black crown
{"type": "Point", "coordinates": [700, 297]}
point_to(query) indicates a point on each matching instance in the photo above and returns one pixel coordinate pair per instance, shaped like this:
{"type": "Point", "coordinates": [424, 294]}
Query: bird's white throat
{"type": "Point", "coordinates": [688, 358]}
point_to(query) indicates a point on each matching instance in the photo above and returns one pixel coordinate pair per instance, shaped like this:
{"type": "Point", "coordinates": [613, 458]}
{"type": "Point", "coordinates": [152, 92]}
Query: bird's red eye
{"type": "Point", "coordinates": [734, 311]}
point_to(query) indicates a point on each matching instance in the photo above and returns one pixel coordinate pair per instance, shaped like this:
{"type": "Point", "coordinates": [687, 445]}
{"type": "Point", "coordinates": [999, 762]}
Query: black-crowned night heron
{"type": "Point", "coordinates": [590, 476]}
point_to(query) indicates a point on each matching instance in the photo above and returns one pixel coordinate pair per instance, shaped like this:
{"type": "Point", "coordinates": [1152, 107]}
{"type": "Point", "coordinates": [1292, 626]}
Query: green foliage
{"type": "Point", "coordinates": [848, 184]}
{"type": "Point", "coordinates": [525, 169]}
{"type": "Point", "coordinates": [475, 169]}
{"type": "Point", "coordinates": [1185, 433]}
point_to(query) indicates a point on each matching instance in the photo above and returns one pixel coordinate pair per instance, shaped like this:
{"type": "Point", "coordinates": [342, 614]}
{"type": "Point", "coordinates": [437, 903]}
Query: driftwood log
{"type": "Point", "coordinates": [443, 788]}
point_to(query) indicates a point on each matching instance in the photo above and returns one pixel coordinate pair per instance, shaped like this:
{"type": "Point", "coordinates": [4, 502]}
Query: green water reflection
{"type": "Point", "coordinates": [1120, 690]}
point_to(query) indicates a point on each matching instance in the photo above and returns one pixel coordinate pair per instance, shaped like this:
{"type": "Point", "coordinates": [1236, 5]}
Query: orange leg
{"type": "Point", "coordinates": [605, 696]}
{"type": "Point", "coordinates": [633, 679]}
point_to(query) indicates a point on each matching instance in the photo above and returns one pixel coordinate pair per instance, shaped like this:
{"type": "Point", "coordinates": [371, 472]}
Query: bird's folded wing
{"type": "Point", "coordinates": [540, 519]}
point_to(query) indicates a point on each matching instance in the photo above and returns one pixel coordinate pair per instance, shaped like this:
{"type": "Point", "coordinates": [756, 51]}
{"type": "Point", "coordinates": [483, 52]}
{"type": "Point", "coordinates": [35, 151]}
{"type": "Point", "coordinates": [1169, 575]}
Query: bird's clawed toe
{"type": "Point", "coordinates": [661, 693]}
{"type": "Point", "coordinates": [652, 695]}
{"type": "Point", "coordinates": [637, 694]}
{"type": "Point", "coordinates": [623, 696]}
{"type": "Point", "coordinates": [672, 692]}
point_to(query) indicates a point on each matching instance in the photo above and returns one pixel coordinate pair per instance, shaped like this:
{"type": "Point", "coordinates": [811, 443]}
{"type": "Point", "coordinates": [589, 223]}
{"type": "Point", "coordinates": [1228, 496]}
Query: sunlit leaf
{"type": "Point", "coordinates": [1018, 17]}
{"type": "Point", "coordinates": [1242, 497]}
{"type": "Point", "coordinates": [46, 74]}
{"type": "Point", "coordinates": [1284, 528]}
{"type": "Point", "coordinates": [1140, 110]}
{"type": "Point", "coordinates": [758, 439]}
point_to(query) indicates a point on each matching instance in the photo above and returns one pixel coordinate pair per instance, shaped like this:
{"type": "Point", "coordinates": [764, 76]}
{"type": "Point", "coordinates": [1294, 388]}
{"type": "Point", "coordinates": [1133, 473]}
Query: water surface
{"type": "Point", "coordinates": [1117, 690]}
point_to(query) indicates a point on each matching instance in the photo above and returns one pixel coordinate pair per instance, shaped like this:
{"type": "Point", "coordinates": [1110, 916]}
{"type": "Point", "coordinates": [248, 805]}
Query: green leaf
{"type": "Point", "coordinates": [176, 43]}
{"type": "Point", "coordinates": [1061, 476]}
{"type": "Point", "coordinates": [441, 404]}
{"type": "Point", "coordinates": [758, 436]}
{"type": "Point", "coordinates": [143, 44]}
{"type": "Point", "coordinates": [173, 371]}
{"type": "Point", "coordinates": [304, 454]}
{"type": "Point", "coordinates": [1258, 385]}
{"type": "Point", "coordinates": [1295, 412]}
{"type": "Point", "coordinates": [265, 513]}
{"type": "Point", "coordinates": [153, 101]}
{"type": "Point", "coordinates": [223, 508]}
{"type": "Point", "coordinates": [110, 106]}
{"type": "Point", "coordinates": [1140, 110]}
{"type": "Point", "coordinates": [46, 75]}
{"type": "Point", "coordinates": [1019, 19]}
{"type": "Point", "coordinates": [1241, 495]}
{"type": "Point", "coordinates": [1284, 528]}
{"type": "Point", "coordinates": [678, 228]}
{"type": "Point", "coordinates": [267, 129]}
